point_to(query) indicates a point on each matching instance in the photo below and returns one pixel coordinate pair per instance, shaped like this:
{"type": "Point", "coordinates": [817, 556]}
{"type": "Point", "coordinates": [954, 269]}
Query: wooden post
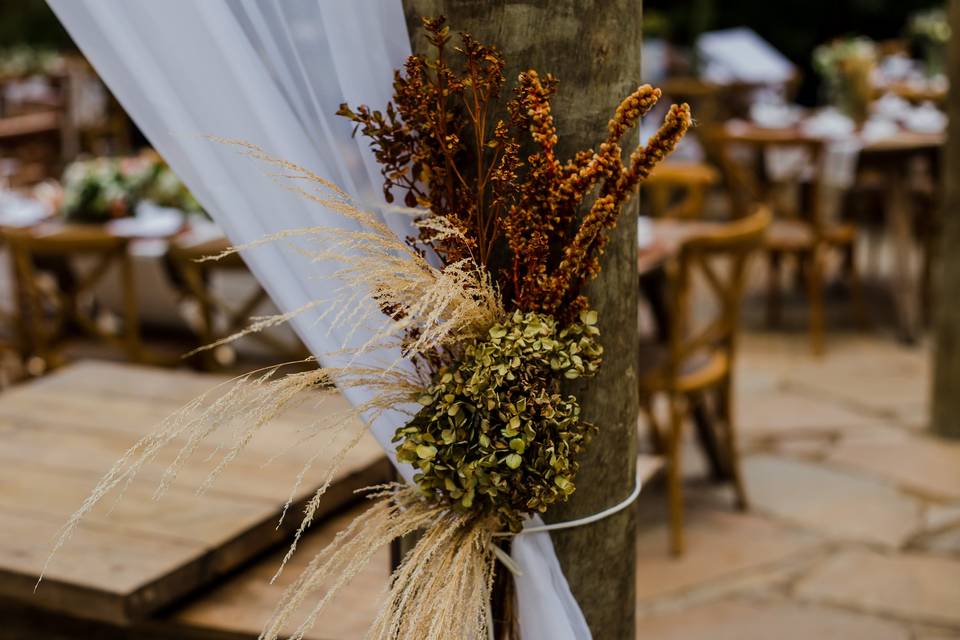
{"type": "Point", "coordinates": [945, 419]}
{"type": "Point", "coordinates": [593, 47]}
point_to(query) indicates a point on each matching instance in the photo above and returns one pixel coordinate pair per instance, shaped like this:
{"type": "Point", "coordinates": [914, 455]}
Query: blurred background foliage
{"type": "Point", "coordinates": [31, 22]}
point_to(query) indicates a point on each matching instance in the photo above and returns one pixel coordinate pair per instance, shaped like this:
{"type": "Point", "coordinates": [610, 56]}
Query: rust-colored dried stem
{"type": "Point", "coordinates": [438, 143]}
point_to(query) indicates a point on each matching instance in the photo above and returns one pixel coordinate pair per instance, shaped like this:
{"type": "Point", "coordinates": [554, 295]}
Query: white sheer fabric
{"type": "Point", "coordinates": [274, 73]}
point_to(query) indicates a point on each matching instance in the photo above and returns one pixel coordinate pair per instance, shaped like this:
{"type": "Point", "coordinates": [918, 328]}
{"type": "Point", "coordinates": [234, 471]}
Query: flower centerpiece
{"type": "Point", "coordinates": [103, 189]}
{"type": "Point", "coordinates": [846, 67]}
{"type": "Point", "coordinates": [477, 319]}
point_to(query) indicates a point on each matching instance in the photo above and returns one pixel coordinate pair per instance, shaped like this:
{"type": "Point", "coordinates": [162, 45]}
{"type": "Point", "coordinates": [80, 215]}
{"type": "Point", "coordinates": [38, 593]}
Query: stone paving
{"type": "Point", "coordinates": [854, 526]}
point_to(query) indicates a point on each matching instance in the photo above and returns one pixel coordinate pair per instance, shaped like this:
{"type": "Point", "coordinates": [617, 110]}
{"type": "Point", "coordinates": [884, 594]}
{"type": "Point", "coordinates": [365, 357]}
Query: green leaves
{"type": "Point", "coordinates": [494, 434]}
{"type": "Point", "coordinates": [426, 452]}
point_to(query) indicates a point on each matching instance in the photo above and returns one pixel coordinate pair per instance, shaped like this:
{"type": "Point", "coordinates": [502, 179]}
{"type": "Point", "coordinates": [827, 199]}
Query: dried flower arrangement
{"type": "Point", "coordinates": [439, 145]}
{"type": "Point", "coordinates": [486, 301]}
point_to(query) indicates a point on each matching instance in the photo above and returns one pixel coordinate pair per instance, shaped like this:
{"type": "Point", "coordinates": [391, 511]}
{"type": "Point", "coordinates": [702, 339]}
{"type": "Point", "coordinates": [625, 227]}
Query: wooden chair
{"type": "Point", "coordinates": [47, 314]}
{"type": "Point", "coordinates": [698, 361]}
{"type": "Point", "coordinates": [219, 318]}
{"type": "Point", "coordinates": [11, 363]}
{"type": "Point", "coordinates": [678, 189]}
{"type": "Point", "coordinates": [802, 232]}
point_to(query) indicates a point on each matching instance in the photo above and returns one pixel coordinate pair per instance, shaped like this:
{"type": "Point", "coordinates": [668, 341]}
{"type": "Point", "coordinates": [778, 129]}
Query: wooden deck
{"type": "Point", "coordinates": [187, 566]}
{"type": "Point", "coordinates": [235, 609]}
{"type": "Point", "coordinates": [239, 608]}
{"type": "Point", "coordinates": [132, 557]}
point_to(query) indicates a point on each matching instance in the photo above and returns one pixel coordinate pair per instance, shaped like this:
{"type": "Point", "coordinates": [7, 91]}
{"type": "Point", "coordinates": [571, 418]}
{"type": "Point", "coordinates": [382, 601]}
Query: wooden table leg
{"type": "Point", "coordinates": [906, 289]}
{"type": "Point", "coordinates": [131, 312]}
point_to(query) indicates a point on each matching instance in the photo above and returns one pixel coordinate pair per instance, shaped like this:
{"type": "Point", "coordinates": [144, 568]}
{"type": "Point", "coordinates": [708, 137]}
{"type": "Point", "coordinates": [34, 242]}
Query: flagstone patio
{"type": "Point", "coordinates": [854, 530]}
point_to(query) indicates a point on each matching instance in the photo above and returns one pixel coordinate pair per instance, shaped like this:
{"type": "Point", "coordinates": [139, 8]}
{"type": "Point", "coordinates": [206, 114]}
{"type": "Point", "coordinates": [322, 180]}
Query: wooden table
{"type": "Point", "coordinates": [893, 156]}
{"type": "Point", "coordinates": [59, 434]}
{"type": "Point", "coordinates": [915, 93]}
{"type": "Point", "coordinates": [56, 242]}
{"type": "Point", "coordinates": [30, 124]}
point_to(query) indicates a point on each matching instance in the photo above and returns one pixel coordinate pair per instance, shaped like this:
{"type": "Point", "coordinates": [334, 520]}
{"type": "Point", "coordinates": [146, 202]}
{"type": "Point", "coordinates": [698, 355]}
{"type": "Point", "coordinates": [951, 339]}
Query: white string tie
{"type": "Point", "coordinates": [514, 568]}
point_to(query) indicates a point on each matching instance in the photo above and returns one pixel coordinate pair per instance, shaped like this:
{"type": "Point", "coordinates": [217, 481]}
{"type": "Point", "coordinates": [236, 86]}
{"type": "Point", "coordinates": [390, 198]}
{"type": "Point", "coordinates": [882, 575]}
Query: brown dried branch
{"type": "Point", "coordinates": [435, 142]}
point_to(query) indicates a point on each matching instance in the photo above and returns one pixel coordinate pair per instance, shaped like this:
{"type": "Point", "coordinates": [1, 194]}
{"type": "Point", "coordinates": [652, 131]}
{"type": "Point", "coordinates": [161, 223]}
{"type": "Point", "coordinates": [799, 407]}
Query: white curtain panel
{"type": "Point", "coordinates": [273, 73]}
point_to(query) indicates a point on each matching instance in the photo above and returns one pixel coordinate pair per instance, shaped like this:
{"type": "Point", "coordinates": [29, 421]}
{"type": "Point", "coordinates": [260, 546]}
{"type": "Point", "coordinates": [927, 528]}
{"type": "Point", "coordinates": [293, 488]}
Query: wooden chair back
{"type": "Point", "coordinates": [44, 316]}
{"type": "Point", "coordinates": [678, 190]}
{"type": "Point", "coordinates": [701, 255]}
{"type": "Point", "coordinates": [220, 318]}
{"type": "Point", "coordinates": [748, 185]}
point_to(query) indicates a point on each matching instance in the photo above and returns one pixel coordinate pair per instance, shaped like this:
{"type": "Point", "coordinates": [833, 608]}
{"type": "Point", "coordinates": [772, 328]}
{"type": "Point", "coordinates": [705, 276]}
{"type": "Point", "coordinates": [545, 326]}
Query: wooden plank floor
{"type": "Point", "coordinates": [236, 609]}
{"type": "Point", "coordinates": [131, 557]}
{"type": "Point", "coordinates": [240, 607]}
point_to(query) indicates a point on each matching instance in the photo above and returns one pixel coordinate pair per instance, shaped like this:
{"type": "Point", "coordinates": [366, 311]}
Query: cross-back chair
{"type": "Point", "coordinates": [47, 314]}
{"type": "Point", "coordinates": [678, 189]}
{"type": "Point", "coordinates": [697, 362]}
{"type": "Point", "coordinates": [802, 231]}
{"type": "Point", "coordinates": [220, 318]}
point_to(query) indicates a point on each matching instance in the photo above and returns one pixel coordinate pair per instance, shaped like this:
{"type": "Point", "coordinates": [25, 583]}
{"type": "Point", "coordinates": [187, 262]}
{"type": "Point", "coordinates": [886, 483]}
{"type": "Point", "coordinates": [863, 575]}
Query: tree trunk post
{"type": "Point", "coordinates": [945, 418]}
{"type": "Point", "coordinates": [593, 47]}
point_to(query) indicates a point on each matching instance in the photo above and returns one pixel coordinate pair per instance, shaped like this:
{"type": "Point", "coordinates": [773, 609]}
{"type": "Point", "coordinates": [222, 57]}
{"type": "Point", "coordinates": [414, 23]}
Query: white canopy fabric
{"type": "Point", "coordinates": [274, 73]}
{"type": "Point", "coordinates": [740, 55]}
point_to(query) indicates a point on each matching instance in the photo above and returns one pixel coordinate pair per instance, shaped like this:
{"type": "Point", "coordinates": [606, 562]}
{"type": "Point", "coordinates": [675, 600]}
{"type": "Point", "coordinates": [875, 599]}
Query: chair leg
{"type": "Point", "coordinates": [674, 481]}
{"type": "Point", "coordinates": [814, 276]}
{"type": "Point", "coordinates": [731, 445]}
{"type": "Point", "coordinates": [705, 428]}
{"type": "Point", "coordinates": [131, 315]}
{"type": "Point", "coordinates": [774, 261]}
{"type": "Point", "coordinates": [36, 343]}
{"type": "Point", "coordinates": [856, 289]}
{"type": "Point", "coordinates": [653, 426]}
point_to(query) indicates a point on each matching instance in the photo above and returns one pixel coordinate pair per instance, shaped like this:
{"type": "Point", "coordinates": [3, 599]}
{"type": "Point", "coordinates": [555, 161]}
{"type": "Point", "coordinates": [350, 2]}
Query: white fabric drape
{"type": "Point", "coordinates": [274, 73]}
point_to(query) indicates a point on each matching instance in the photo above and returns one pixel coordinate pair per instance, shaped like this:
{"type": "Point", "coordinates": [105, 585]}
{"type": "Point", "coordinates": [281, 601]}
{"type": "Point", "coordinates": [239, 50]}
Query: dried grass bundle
{"type": "Point", "coordinates": [418, 311]}
{"type": "Point", "coordinates": [441, 589]}
{"type": "Point", "coordinates": [437, 306]}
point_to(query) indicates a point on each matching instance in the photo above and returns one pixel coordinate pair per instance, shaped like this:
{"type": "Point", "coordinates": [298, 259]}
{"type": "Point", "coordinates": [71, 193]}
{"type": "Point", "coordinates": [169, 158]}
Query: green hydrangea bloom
{"type": "Point", "coordinates": [495, 435]}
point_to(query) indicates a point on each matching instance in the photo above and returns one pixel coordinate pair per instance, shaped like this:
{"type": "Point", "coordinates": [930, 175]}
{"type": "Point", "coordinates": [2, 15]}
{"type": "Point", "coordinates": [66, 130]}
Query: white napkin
{"type": "Point", "coordinates": [878, 128]}
{"type": "Point", "coordinates": [19, 211]}
{"type": "Point", "coordinates": [891, 107]}
{"type": "Point", "coordinates": [895, 68]}
{"type": "Point", "coordinates": [926, 119]}
{"type": "Point", "coordinates": [829, 123]}
{"type": "Point", "coordinates": [151, 221]}
{"type": "Point", "coordinates": [775, 116]}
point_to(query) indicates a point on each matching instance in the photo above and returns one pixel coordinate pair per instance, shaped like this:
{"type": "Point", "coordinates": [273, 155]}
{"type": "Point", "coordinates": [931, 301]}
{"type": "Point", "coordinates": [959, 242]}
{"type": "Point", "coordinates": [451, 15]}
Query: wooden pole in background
{"type": "Point", "coordinates": [593, 47]}
{"type": "Point", "coordinates": [945, 418]}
